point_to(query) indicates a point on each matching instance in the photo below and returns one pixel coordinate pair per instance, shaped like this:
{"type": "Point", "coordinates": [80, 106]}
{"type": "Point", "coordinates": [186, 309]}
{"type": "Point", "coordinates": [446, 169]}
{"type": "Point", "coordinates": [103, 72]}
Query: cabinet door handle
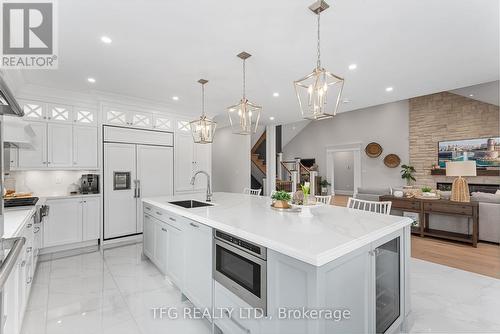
{"type": "Point", "coordinates": [29, 225]}
{"type": "Point", "coordinates": [194, 225]}
{"type": "Point", "coordinates": [240, 326]}
{"type": "Point", "coordinates": [138, 188]}
{"type": "Point", "coordinates": [172, 219]}
{"type": "Point", "coordinates": [163, 229]}
{"type": "Point", "coordinates": [159, 213]}
{"type": "Point", "coordinates": [23, 263]}
{"type": "Point", "coordinates": [148, 208]}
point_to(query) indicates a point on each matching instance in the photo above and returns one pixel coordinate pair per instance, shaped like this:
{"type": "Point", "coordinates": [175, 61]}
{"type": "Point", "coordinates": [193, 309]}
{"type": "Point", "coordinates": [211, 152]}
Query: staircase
{"type": "Point", "coordinates": [257, 156]}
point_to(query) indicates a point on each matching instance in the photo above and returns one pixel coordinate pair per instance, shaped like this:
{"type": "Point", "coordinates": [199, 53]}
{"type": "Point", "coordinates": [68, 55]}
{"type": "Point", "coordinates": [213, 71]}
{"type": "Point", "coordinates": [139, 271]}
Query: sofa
{"type": "Point", "coordinates": [489, 213]}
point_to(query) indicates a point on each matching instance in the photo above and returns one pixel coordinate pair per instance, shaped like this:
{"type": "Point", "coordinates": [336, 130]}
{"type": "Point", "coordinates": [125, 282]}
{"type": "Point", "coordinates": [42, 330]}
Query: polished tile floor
{"type": "Point", "coordinates": [114, 291]}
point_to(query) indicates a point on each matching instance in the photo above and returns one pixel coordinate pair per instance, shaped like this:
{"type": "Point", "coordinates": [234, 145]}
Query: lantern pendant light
{"type": "Point", "coordinates": [319, 92]}
{"type": "Point", "coordinates": [203, 129]}
{"type": "Point", "coordinates": [244, 116]}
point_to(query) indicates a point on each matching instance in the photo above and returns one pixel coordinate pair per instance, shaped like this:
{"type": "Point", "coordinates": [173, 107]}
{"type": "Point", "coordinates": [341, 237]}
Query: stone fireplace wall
{"type": "Point", "coordinates": [446, 116]}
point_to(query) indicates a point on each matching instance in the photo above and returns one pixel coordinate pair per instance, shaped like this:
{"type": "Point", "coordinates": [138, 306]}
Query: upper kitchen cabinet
{"type": "Point", "coordinates": [59, 138]}
{"type": "Point", "coordinates": [36, 156]}
{"type": "Point", "coordinates": [120, 117]}
{"type": "Point", "coordinates": [60, 113]}
{"type": "Point", "coordinates": [190, 158]}
{"type": "Point", "coordinates": [85, 147]}
{"type": "Point", "coordinates": [34, 110]}
{"type": "Point", "coordinates": [85, 116]}
{"type": "Point", "coordinates": [162, 123]}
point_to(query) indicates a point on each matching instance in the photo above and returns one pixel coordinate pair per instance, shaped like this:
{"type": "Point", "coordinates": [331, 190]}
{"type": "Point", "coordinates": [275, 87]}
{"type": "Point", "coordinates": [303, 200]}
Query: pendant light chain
{"type": "Point", "coordinates": [203, 100]}
{"type": "Point", "coordinates": [244, 79]}
{"type": "Point", "coordinates": [318, 63]}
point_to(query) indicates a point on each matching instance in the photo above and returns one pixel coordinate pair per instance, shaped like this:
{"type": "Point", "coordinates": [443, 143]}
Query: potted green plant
{"type": "Point", "coordinates": [426, 189]}
{"type": "Point", "coordinates": [281, 199]}
{"type": "Point", "coordinates": [407, 174]}
{"type": "Point", "coordinates": [324, 186]}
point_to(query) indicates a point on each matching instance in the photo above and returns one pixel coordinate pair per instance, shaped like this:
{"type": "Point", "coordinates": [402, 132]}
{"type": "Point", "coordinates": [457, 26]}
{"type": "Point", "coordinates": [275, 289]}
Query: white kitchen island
{"type": "Point", "coordinates": [341, 271]}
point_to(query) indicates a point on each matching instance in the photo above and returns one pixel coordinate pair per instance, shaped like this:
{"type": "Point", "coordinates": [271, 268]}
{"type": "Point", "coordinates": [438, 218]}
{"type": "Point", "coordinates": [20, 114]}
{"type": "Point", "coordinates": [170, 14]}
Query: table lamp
{"type": "Point", "coordinates": [460, 188]}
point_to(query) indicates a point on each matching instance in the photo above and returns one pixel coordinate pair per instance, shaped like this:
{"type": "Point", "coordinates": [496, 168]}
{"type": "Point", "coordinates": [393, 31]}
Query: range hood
{"type": "Point", "coordinates": [17, 132]}
{"type": "Point", "coordinates": [8, 104]}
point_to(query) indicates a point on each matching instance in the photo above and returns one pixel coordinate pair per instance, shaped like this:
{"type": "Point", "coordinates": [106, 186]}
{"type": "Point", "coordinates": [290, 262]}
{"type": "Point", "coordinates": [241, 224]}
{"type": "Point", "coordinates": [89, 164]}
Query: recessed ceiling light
{"type": "Point", "coordinates": [271, 118]}
{"type": "Point", "coordinates": [175, 98]}
{"type": "Point", "coordinates": [471, 95]}
{"type": "Point", "coordinates": [389, 89]}
{"type": "Point", "coordinates": [59, 321]}
{"type": "Point", "coordinates": [91, 80]}
{"type": "Point", "coordinates": [353, 67]}
{"type": "Point", "coordinates": [346, 101]}
{"type": "Point", "coordinates": [276, 94]}
{"type": "Point", "coordinates": [106, 39]}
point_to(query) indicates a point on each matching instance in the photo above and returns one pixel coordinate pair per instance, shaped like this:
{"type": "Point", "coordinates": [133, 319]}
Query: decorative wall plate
{"type": "Point", "coordinates": [392, 160]}
{"type": "Point", "coordinates": [373, 150]}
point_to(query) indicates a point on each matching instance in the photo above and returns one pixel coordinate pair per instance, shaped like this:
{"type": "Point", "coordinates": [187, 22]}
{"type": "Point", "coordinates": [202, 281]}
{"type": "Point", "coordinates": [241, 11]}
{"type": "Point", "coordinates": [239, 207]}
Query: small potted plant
{"type": "Point", "coordinates": [324, 186]}
{"type": "Point", "coordinates": [407, 174]}
{"type": "Point", "coordinates": [427, 192]}
{"type": "Point", "coordinates": [281, 199]}
{"type": "Point", "coordinates": [306, 187]}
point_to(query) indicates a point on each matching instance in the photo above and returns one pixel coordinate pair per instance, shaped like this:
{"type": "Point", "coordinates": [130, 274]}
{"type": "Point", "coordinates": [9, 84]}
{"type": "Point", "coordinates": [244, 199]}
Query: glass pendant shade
{"type": "Point", "coordinates": [244, 117]}
{"type": "Point", "coordinates": [203, 129]}
{"type": "Point", "coordinates": [319, 94]}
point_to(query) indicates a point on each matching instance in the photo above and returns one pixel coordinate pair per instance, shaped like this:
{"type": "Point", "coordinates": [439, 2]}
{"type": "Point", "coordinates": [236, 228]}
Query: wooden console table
{"type": "Point", "coordinates": [439, 206]}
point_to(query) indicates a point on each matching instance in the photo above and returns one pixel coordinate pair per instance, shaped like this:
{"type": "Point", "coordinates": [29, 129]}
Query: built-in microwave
{"type": "Point", "coordinates": [241, 267]}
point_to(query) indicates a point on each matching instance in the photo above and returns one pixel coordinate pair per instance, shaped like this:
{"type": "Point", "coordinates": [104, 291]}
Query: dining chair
{"type": "Point", "coordinates": [372, 206]}
{"type": "Point", "coordinates": [324, 199]}
{"type": "Point", "coordinates": [249, 191]}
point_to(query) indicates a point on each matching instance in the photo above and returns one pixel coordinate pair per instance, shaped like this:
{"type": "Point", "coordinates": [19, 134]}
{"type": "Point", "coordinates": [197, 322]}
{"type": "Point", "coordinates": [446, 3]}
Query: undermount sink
{"type": "Point", "coordinates": [189, 204]}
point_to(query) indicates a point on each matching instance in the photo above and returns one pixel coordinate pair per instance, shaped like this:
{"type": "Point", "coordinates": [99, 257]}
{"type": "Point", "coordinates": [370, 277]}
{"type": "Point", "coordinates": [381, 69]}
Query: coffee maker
{"type": "Point", "coordinates": [89, 184]}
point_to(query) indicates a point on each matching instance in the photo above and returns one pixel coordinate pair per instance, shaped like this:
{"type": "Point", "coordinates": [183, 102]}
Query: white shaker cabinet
{"type": "Point", "coordinates": [160, 244]}
{"type": "Point", "coordinates": [64, 224]}
{"type": "Point", "coordinates": [149, 237]}
{"type": "Point", "coordinates": [175, 255]}
{"type": "Point", "coordinates": [85, 146]}
{"type": "Point", "coordinates": [91, 218]}
{"type": "Point", "coordinates": [35, 157]}
{"type": "Point", "coordinates": [198, 263]}
{"type": "Point", "coordinates": [190, 158]}
{"type": "Point", "coordinates": [60, 137]}
{"type": "Point", "coordinates": [72, 220]}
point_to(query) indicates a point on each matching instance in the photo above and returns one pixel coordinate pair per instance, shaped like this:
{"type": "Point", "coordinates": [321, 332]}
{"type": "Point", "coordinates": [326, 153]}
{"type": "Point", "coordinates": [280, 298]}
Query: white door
{"type": "Point", "coordinates": [155, 173]}
{"type": "Point", "coordinates": [175, 255]}
{"type": "Point", "coordinates": [91, 218]}
{"type": "Point", "coordinates": [36, 156]}
{"type": "Point", "coordinates": [84, 147]}
{"type": "Point", "coordinates": [161, 236]}
{"type": "Point", "coordinates": [184, 161]}
{"type": "Point", "coordinates": [120, 204]}
{"type": "Point", "coordinates": [202, 161]}
{"type": "Point", "coordinates": [64, 224]}
{"type": "Point", "coordinates": [198, 263]}
{"type": "Point", "coordinates": [60, 137]}
{"type": "Point", "coordinates": [149, 237]}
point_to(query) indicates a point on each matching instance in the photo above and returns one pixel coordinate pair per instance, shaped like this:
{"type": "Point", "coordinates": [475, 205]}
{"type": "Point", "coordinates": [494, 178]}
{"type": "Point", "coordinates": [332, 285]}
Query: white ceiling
{"type": "Point", "coordinates": [487, 92]}
{"type": "Point", "coordinates": [161, 48]}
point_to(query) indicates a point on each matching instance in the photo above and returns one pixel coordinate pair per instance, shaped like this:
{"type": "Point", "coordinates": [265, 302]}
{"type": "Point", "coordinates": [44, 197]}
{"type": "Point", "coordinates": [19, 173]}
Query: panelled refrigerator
{"type": "Point", "coordinates": [132, 171]}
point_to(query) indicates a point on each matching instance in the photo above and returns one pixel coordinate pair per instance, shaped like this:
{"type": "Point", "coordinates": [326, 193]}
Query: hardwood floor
{"type": "Point", "coordinates": [484, 260]}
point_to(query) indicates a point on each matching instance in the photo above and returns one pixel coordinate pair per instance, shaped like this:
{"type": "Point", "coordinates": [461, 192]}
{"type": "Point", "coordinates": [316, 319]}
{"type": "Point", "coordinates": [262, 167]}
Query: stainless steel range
{"type": "Point", "coordinates": [241, 267]}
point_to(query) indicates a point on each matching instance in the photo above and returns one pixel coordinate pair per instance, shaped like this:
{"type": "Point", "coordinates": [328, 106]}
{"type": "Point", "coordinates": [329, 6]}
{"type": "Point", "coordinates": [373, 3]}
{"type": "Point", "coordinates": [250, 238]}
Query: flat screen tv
{"type": "Point", "coordinates": [485, 151]}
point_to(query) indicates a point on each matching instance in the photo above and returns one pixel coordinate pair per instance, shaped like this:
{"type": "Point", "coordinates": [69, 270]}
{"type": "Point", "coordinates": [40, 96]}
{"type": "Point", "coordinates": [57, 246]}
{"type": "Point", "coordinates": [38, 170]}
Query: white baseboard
{"type": "Point", "coordinates": [122, 241]}
{"type": "Point", "coordinates": [49, 253]}
{"type": "Point", "coordinates": [344, 192]}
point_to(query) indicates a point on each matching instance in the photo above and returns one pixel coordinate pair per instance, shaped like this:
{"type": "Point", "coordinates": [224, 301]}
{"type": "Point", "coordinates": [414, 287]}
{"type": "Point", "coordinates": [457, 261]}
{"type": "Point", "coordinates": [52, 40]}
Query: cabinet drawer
{"type": "Point", "coordinates": [448, 208]}
{"type": "Point", "coordinates": [401, 204]}
{"type": "Point", "coordinates": [163, 215]}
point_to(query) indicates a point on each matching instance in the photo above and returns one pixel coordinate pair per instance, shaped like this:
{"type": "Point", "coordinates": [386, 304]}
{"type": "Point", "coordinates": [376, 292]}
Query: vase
{"type": "Point", "coordinates": [281, 204]}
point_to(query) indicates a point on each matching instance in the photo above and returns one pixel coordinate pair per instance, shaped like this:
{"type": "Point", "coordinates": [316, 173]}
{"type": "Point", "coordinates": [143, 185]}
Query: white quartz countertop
{"type": "Point", "coordinates": [14, 219]}
{"type": "Point", "coordinates": [332, 232]}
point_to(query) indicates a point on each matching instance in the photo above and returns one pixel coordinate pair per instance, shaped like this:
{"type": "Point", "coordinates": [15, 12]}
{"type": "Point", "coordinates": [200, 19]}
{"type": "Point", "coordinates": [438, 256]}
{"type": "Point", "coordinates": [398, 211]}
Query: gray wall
{"type": "Point", "coordinates": [385, 124]}
{"type": "Point", "coordinates": [344, 172]}
{"type": "Point", "coordinates": [230, 161]}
